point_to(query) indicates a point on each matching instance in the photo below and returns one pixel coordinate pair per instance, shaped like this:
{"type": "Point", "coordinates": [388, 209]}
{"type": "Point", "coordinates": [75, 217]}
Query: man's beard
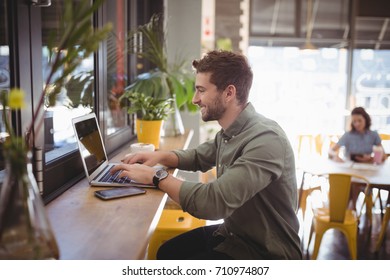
{"type": "Point", "coordinates": [214, 112]}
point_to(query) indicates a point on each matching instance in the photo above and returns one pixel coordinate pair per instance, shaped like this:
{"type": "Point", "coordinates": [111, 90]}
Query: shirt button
{"type": "Point", "coordinates": [225, 141]}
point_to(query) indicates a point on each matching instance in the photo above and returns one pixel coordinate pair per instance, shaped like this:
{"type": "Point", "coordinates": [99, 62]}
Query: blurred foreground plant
{"type": "Point", "coordinates": [25, 231]}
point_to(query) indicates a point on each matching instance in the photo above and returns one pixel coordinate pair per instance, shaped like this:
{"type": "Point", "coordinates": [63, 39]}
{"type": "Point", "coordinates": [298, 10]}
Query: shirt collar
{"type": "Point", "coordinates": [366, 131]}
{"type": "Point", "coordinates": [237, 126]}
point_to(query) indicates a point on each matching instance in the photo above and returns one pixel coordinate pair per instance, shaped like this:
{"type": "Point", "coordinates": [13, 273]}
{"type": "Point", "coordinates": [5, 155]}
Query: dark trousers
{"type": "Point", "coordinates": [197, 244]}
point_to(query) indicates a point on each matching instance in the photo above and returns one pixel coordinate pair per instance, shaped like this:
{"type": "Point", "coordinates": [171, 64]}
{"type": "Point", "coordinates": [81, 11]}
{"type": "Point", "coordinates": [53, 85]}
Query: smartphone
{"type": "Point", "coordinates": [119, 192]}
{"type": "Point", "coordinates": [354, 156]}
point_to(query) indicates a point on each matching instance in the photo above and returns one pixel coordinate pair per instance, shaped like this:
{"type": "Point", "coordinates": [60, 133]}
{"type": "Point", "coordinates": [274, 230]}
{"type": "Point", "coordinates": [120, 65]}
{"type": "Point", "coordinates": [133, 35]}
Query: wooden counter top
{"type": "Point", "coordinates": [87, 228]}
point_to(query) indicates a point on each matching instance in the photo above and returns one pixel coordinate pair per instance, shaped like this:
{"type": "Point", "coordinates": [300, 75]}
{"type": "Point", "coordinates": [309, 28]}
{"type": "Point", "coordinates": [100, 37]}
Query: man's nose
{"type": "Point", "coordinates": [195, 98]}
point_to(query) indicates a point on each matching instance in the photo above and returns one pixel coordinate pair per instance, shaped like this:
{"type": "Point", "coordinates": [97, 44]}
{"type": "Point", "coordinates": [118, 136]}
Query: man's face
{"type": "Point", "coordinates": [208, 98]}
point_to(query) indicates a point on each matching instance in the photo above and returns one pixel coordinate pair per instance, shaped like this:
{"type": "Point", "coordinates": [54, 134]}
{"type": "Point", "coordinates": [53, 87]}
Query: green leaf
{"type": "Point", "coordinates": [165, 81]}
{"type": "Point", "coordinates": [147, 107]}
{"type": "Point", "coordinates": [78, 41]}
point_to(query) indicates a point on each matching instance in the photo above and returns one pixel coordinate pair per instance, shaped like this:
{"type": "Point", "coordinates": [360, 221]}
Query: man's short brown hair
{"type": "Point", "coordinates": [227, 68]}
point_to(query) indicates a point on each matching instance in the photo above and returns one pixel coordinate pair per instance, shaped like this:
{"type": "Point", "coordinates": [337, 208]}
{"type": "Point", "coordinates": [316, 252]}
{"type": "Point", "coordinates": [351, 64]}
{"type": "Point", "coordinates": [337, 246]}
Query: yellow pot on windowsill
{"type": "Point", "coordinates": [150, 112]}
{"type": "Point", "coordinates": [148, 131]}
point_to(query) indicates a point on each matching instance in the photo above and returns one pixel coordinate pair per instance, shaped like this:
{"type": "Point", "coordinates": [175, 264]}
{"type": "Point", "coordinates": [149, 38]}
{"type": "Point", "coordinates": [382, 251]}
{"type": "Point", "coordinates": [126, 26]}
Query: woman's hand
{"type": "Point", "coordinates": [364, 158]}
{"type": "Point", "coordinates": [338, 159]}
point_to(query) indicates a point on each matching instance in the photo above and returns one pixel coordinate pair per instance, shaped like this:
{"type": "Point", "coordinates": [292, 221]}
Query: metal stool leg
{"type": "Point", "coordinates": [382, 233]}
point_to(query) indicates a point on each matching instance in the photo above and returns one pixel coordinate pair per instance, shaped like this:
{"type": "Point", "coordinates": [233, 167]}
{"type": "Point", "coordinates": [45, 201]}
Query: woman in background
{"type": "Point", "coordinates": [359, 141]}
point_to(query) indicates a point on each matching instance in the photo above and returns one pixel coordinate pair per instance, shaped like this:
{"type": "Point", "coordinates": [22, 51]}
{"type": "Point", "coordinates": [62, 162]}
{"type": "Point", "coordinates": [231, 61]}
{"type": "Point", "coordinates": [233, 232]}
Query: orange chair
{"type": "Point", "coordinates": [337, 214]}
{"type": "Point", "coordinates": [302, 140]}
{"type": "Point", "coordinates": [319, 143]}
{"type": "Point", "coordinates": [384, 136]}
{"type": "Point", "coordinates": [304, 192]}
{"type": "Point", "coordinates": [172, 223]}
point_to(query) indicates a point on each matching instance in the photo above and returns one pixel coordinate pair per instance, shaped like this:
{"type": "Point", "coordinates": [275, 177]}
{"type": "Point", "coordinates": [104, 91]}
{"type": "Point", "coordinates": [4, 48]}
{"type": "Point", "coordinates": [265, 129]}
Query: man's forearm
{"type": "Point", "coordinates": [171, 185]}
{"type": "Point", "coordinates": [168, 159]}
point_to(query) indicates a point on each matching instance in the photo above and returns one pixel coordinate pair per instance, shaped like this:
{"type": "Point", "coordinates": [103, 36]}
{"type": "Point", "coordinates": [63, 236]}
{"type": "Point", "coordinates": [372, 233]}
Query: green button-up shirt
{"type": "Point", "coordinates": [255, 192]}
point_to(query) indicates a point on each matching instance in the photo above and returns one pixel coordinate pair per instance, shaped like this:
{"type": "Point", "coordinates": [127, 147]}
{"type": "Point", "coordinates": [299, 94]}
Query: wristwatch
{"type": "Point", "coordinates": [160, 175]}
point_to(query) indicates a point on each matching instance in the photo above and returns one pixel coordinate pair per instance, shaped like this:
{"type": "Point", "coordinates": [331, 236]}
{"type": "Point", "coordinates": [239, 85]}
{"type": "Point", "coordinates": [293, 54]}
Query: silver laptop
{"type": "Point", "coordinates": [94, 157]}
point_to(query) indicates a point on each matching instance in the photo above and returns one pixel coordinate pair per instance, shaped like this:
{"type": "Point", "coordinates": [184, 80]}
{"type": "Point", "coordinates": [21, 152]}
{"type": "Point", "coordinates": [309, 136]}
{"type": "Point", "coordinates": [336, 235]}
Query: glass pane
{"type": "Point", "coordinates": [270, 17]}
{"type": "Point", "coordinates": [330, 19]}
{"type": "Point", "coordinates": [304, 91]}
{"type": "Point", "coordinates": [371, 85]}
{"type": "Point", "coordinates": [116, 66]}
{"type": "Point", "coordinates": [76, 97]}
{"type": "Point", "coordinates": [4, 70]}
{"type": "Point", "coordinates": [276, 23]}
{"type": "Point", "coordinates": [372, 33]}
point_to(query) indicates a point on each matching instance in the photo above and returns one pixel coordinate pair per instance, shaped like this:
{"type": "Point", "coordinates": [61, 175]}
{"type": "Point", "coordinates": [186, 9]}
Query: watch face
{"type": "Point", "coordinates": [161, 174]}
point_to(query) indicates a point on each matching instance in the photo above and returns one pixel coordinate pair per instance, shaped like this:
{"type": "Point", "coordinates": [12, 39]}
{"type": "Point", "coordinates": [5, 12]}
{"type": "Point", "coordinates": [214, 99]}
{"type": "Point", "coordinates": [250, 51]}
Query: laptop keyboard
{"type": "Point", "coordinates": [114, 178]}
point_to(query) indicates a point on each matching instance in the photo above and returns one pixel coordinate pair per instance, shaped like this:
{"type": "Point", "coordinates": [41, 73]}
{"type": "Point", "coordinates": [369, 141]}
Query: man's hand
{"type": "Point", "coordinates": [168, 159]}
{"type": "Point", "coordinates": [138, 172]}
{"type": "Point", "coordinates": [146, 158]}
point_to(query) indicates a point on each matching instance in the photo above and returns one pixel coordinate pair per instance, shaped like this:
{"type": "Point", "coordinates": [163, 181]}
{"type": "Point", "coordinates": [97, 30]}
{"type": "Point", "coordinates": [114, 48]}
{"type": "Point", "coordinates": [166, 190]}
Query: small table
{"type": "Point", "coordinates": [378, 175]}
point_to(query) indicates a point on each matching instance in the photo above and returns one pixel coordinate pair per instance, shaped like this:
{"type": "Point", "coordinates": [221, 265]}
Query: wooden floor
{"type": "Point", "coordinates": [334, 244]}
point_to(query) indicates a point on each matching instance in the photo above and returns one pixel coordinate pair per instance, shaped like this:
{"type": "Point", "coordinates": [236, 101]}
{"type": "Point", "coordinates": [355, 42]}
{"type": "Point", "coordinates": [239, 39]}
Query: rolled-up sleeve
{"type": "Point", "coordinates": [200, 159]}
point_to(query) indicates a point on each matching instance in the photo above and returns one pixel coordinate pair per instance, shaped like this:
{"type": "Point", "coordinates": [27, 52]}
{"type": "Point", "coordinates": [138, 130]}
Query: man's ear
{"type": "Point", "coordinates": [230, 92]}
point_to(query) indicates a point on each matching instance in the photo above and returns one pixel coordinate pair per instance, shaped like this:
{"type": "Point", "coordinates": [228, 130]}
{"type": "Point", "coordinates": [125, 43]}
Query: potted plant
{"type": "Point", "coordinates": [173, 81]}
{"type": "Point", "coordinates": [150, 114]}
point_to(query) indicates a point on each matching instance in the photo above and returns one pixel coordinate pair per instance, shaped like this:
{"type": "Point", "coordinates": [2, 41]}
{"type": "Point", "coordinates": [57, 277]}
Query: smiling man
{"type": "Point", "coordinates": [255, 192]}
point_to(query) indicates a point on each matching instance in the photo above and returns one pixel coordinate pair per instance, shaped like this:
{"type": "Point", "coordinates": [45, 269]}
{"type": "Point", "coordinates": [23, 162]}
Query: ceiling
{"type": "Point", "coordinates": [325, 23]}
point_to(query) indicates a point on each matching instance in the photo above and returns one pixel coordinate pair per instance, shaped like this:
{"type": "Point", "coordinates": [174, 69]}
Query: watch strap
{"type": "Point", "coordinates": [156, 181]}
{"type": "Point", "coordinates": [159, 176]}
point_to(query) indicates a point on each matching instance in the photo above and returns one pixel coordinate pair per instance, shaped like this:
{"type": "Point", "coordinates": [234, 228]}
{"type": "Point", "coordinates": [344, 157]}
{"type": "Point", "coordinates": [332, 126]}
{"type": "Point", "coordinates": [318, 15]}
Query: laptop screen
{"type": "Point", "coordinates": [90, 144]}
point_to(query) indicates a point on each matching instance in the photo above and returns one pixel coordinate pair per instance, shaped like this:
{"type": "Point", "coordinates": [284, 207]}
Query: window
{"type": "Point", "coordinates": [94, 87]}
{"type": "Point", "coordinates": [291, 23]}
{"type": "Point", "coordinates": [5, 78]}
{"type": "Point", "coordinates": [304, 91]}
{"type": "Point", "coordinates": [116, 124]}
{"type": "Point", "coordinates": [76, 98]}
{"type": "Point", "coordinates": [117, 70]}
{"type": "Point", "coordinates": [24, 54]}
{"type": "Point", "coordinates": [371, 85]}
{"type": "Point", "coordinates": [313, 91]}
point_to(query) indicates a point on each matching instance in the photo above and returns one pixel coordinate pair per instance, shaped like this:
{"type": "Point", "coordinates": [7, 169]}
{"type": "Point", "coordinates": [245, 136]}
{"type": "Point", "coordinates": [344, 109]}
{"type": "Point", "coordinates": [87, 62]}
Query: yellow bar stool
{"type": "Point", "coordinates": [304, 139]}
{"type": "Point", "coordinates": [172, 223]}
{"type": "Point", "coordinates": [384, 225]}
{"type": "Point", "coordinates": [336, 214]}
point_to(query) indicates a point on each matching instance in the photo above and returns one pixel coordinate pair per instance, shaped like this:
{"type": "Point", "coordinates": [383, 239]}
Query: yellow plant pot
{"type": "Point", "coordinates": [148, 132]}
